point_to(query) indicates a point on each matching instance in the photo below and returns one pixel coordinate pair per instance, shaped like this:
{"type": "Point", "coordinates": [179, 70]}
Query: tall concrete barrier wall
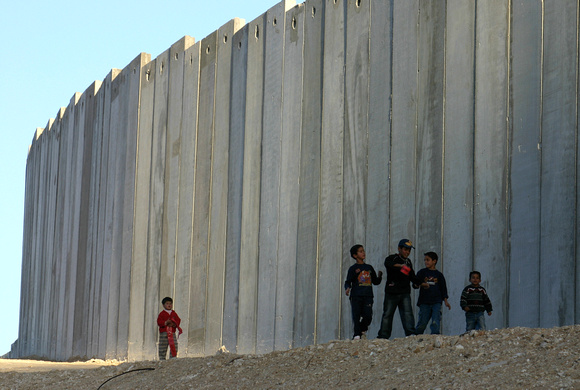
{"type": "Point", "coordinates": [234, 173]}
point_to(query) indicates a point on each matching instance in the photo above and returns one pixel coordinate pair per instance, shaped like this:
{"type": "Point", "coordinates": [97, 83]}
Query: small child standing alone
{"type": "Point", "coordinates": [432, 296]}
{"type": "Point", "coordinates": [474, 301]}
{"type": "Point", "coordinates": [168, 322]}
{"type": "Point", "coordinates": [358, 286]}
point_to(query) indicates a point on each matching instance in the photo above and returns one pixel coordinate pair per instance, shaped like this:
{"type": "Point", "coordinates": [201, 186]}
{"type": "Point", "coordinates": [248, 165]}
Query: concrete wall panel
{"type": "Point", "coordinates": [203, 156]}
{"type": "Point", "coordinates": [84, 267]}
{"type": "Point", "coordinates": [59, 264]}
{"type": "Point", "coordinates": [379, 148]}
{"type": "Point", "coordinates": [181, 296]}
{"type": "Point", "coordinates": [116, 193]}
{"type": "Point", "coordinates": [173, 155]}
{"type": "Point", "coordinates": [153, 293]}
{"type": "Point", "coordinates": [355, 163]}
{"type": "Point", "coordinates": [490, 153]}
{"type": "Point", "coordinates": [67, 127]}
{"type": "Point", "coordinates": [270, 181]}
{"type": "Point", "coordinates": [132, 74]}
{"type": "Point", "coordinates": [62, 233]}
{"type": "Point", "coordinates": [136, 314]}
{"type": "Point", "coordinates": [308, 202]}
{"type": "Point", "coordinates": [217, 240]}
{"type": "Point", "coordinates": [289, 178]}
{"type": "Point", "coordinates": [559, 104]}
{"type": "Point", "coordinates": [525, 114]}
{"type": "Point", "coordinates": [56, 235]}
{"type": "Point", "coordinates": [73, 285]}
{"type": "Point", "coordinates": [49, 240]}
{"type": "Point", "coordinates": [47, 282]}
{"type": "Point", "coordinates": [248, 298]}
{"type": "Point", "coordinates": [237, 124]}
{"type": "Point", "coordinates": [431, 68]}
{"type": "Point", "coordinates": [403, 206]}
{"type": "Point", "coordinates": [110, 263]}
{"type": "Point", "coordinates": [93, 276]}
{"type": "Point", "coordinates": [40, 269]}
{"type": "Point", "coordinates": [330, 274]}
{"type": "Point", "coordinates": [105, 215]}
{"type": "Point", "coordinates": [457, 239]}
{"type": "Point", "coordinates": [36, 302]}
{"type": "Point", "coordinates": [40, 280]}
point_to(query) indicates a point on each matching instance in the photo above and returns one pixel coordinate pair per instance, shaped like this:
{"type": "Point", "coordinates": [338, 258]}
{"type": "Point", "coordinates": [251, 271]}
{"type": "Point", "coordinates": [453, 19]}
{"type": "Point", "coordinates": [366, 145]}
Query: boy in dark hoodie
{"type": "Point", "coordinates": [398, 290]}
{"type": "Point", "coordinates": [431, 298]}
{"type": "Point", "coordinates": [358, 285]}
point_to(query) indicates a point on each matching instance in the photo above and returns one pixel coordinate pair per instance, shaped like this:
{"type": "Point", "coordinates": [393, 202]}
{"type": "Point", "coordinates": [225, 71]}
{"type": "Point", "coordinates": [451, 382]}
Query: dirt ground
{"type": "Point", "coordinates": [514, 358]}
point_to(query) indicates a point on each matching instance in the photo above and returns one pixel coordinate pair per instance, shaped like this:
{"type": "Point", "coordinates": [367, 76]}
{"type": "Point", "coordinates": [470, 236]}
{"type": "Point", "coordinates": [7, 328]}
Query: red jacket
{"type": "Point", "coordinates": [164, 316]}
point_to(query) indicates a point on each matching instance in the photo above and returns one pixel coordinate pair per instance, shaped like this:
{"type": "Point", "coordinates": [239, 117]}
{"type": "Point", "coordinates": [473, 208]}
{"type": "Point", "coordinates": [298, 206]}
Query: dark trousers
{"type": "Point", "coordinates": [362, 313]}
{"type": "Point", "coordinates": [392, 302]}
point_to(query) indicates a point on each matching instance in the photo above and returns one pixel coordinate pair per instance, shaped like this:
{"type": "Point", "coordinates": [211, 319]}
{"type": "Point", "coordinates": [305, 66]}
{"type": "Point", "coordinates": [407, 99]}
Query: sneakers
{"type": "Point", "coordinates": [356, 338]}
{"type": "Point", "coordinates": [364, 335]}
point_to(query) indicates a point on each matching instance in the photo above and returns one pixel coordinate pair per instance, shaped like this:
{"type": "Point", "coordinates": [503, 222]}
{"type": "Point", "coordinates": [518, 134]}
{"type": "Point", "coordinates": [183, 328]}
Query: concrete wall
{"type": "Point", "coordinates": [235, 172]}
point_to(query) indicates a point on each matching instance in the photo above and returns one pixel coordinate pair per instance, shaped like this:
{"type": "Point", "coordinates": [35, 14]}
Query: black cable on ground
{"type": "Point", "coordinates": [126, 372]}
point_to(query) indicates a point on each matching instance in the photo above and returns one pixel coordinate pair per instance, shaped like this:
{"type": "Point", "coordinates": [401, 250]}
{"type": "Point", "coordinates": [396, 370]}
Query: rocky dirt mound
{"type": "Point", "coordinates": [517, 358]}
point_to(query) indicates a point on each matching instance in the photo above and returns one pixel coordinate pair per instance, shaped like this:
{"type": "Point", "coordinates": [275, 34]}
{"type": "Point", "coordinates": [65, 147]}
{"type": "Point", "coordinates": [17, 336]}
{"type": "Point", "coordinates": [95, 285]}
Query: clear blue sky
{"type": "Point", "coordinates": [51, 49]}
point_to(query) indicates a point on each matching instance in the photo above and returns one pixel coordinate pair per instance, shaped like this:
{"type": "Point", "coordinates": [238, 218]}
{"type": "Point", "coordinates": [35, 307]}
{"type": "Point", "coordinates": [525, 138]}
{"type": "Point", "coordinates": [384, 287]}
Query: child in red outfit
{"type": "Point", "coordinates": [168, 322]}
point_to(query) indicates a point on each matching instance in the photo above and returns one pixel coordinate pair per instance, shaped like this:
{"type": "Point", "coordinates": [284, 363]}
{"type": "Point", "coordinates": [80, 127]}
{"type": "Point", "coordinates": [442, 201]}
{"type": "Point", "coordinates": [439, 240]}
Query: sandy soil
{"type": "Point", "coordinates": [515, 358]}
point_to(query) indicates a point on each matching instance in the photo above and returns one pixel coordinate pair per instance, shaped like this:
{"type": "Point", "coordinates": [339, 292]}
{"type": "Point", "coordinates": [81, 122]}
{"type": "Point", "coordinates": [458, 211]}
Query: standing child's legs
{"type": "Point", "coordinates": [436, 318]}
{"type": "Point", "coordinates": [163, 344]}
{"type": "Point", "coordinates": [406, 312]}
{"type": "Point", "coordinates": [470, 320]}
{"type": "Point", "coordinates": [480, 325]}
{"type": "Point", "coordinates": [474, 321]}
{"type": "Point", "coordinates": [389, 307]}
{"type": "Point", "coordinates": [356, 305]}
{"type": "Point", "coordinates": [367, 313]}
{"type": "Point", "coordinates": [424, 317]}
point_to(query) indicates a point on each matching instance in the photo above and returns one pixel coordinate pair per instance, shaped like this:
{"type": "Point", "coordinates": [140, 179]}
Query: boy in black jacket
{"type": "Point", "coordinates": [398, 290]}
{"type": "Point", "coordinates": [358, 285]}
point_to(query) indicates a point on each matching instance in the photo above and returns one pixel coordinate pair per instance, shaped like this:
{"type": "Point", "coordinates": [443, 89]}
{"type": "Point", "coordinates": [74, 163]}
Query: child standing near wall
{"type": "Point", "coordinates": [168, 322]}
{"type": "Point", "coordinates": [474, 301]}
{"type": "Point", "coordinates": [358, 286]}
{"type": "Point", "coordinates": [431, 296]}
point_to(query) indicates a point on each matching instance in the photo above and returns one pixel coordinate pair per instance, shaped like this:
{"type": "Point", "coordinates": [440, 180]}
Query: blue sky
{"type": "Point", "coordinates": [49, 51]}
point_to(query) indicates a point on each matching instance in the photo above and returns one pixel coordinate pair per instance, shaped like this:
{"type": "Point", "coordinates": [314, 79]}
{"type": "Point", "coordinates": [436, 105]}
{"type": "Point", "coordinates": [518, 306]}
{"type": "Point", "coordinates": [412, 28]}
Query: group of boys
{"type": "Point", "coordinates": [400, 277]}
{"type": "Point", "coordinates": [358, 287]}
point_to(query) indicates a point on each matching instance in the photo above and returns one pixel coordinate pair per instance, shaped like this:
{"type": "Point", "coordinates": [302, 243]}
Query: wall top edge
{"type": "Point", "coordinates": [183, 44]}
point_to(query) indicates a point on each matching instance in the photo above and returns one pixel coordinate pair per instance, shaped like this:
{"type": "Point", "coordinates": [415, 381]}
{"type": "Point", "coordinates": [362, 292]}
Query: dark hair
{"type": "Point", "coordinates": [166, 299]}
{"type": "Point", "coordinates": [354, 250]}
{"type": "Point", "coordinates": [432, 255]}
{"type": "Point", "coordinates": [475, 273]}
